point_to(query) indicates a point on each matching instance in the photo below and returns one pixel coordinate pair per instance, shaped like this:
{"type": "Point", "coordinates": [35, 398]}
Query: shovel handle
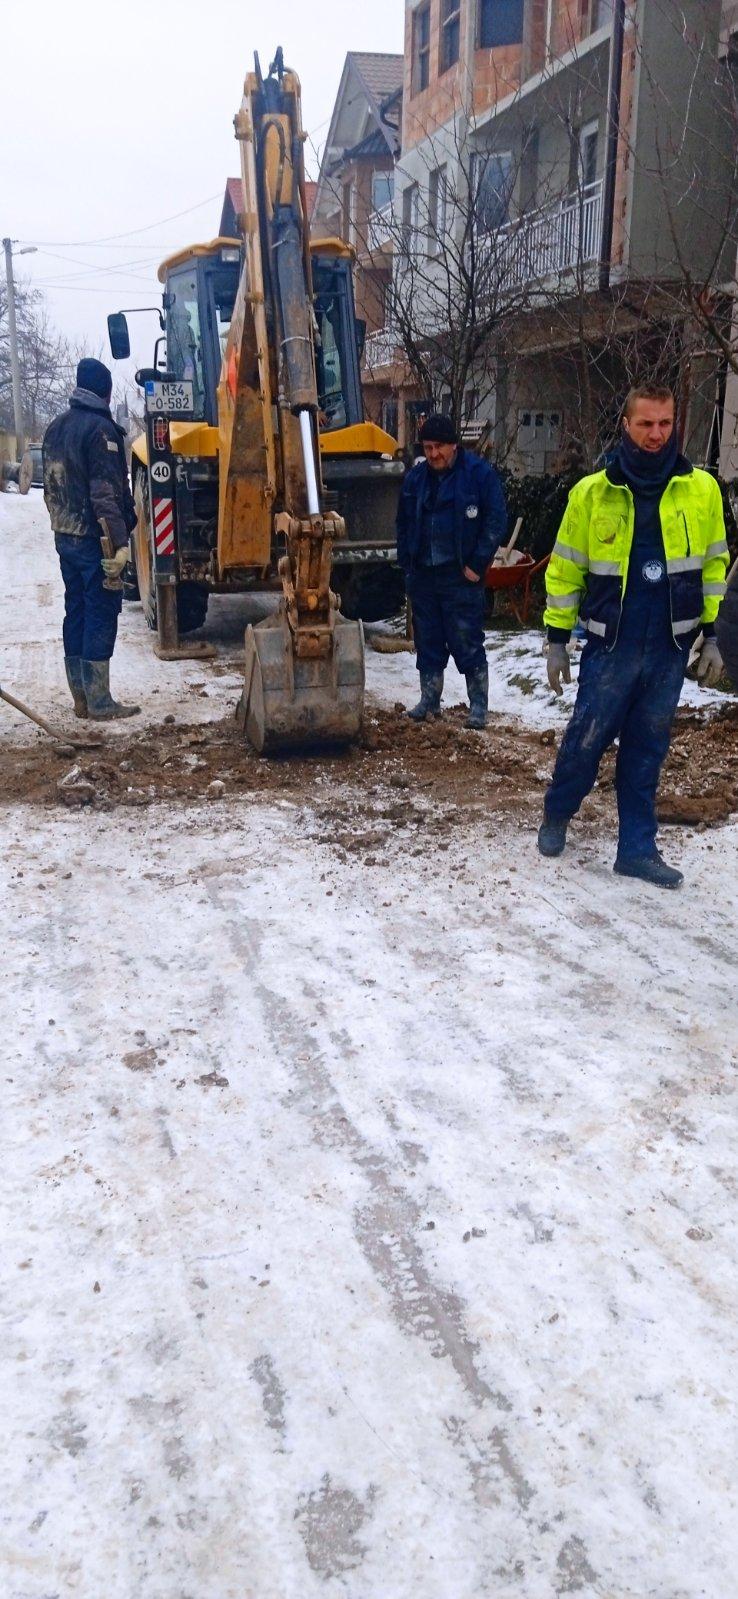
{"type": "Point", "coordinates": [40, 721]}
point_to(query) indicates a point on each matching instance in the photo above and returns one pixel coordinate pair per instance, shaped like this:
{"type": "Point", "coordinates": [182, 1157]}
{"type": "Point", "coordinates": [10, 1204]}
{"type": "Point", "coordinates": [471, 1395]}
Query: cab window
{"type": "Point", "coordinates": [331, 398]}
{"type": "Point", "coordinates": [224, 288]}
{"type": "Point", "coordinates": [184, 335]}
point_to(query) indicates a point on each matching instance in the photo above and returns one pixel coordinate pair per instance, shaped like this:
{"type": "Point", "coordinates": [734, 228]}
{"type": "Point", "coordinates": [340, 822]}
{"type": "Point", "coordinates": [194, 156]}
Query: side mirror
{"type": "Point", "coordinates": [360, 335]}
{"type": "Point", "coordinates": [120, 344]}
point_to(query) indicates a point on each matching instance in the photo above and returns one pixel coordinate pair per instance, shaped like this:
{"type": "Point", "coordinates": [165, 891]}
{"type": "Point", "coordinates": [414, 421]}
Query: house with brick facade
{"type": "Point", "coordinates": [355, 192]}
{"type": "Point", "coordinates": [560, 150]}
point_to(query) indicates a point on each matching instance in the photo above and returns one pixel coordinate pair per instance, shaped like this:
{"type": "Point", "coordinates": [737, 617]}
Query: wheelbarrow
{"type": "Point", "coordinates": [514, 577]}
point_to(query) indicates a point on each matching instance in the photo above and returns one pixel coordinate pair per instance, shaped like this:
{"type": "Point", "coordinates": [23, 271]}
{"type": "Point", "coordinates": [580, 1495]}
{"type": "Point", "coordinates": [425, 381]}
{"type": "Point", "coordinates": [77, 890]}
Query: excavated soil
{"type": "Point", "coordinates": [402, 775]}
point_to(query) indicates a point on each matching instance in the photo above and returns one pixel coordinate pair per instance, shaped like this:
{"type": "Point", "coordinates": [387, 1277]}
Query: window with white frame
{"type": "Point", "coordinates": [492, 183]}
{"type": "Point", "coordinates": [471, 404]}
{"type": "Point", "coordinates": [410, 219]}
{"type": "Point", "coordinates": [383, 188]}
{"type": "Point", "coordinates": [437, 191]}
{"type": "Point", "coordinates": [584, 156]}
{"type": "Point", "coordinates": [421, 48]}
{"type": "Point", "coordinates": [450, 33]}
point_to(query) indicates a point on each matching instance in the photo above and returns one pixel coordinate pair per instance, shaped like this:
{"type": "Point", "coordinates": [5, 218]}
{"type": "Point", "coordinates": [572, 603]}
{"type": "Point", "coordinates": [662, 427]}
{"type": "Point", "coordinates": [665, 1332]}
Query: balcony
{"type": "Point", "coordinates": [382, 348]}
{"type": "Point", "coordinates": [536, 248]}
{"type": "Point", "coordinates": [380, 229]}
{"type": "Point", "coordinates": [545, 244]}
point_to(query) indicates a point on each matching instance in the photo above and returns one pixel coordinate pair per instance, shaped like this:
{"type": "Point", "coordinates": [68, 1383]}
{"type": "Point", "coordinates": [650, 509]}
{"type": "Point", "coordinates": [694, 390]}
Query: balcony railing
{"type": "Point", "coordinates": [380, 228]}
{"type": "Point", "coordinates": [538, 246]}
{"type": "Point", "coordinates": [382, 347]}
{"type": "Point", "coordinates": [546, 243]}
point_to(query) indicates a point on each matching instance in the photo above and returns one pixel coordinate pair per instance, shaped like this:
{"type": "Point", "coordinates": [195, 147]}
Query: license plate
{"type": "Point", "coordinates": [169, 399]}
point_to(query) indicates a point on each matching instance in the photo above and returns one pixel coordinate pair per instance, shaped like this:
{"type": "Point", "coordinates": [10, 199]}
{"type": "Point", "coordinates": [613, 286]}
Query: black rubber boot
{"type": "Point", "coordinates": [73, 666]}
{"type": "Point", "coordinates": [477, 687]}
{"type": "Point", "coordinates": [101, 707]}
{"type": "Point", "coordinates": [552, 835]}
{"type": "Point", "coordinates": [429, 704]}
{"type": "Point", "coordinates": [651, 869]}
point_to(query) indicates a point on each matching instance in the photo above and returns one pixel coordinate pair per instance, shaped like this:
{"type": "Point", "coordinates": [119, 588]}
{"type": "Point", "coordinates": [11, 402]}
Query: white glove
{"type": "Point", "coordinates": [710, 666]}
{"type": "Point", "coordinates": [557, 666]}
{"type": "Point", "coordinates": [113, 565]}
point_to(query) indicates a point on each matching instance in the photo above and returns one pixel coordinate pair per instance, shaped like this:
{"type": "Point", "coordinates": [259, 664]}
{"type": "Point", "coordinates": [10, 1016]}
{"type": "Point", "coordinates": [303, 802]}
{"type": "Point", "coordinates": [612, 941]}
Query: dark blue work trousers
{"type": "Point", "coordinates": [448, 618]}
{"type": "Point", "coordinates": [90, 611]}
{"type": "Point", "coordinates": [630, 692]}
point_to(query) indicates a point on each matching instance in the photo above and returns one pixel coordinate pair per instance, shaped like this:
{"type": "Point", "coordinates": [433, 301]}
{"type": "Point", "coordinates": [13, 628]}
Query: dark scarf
{"type": "Point", "coordinates": [647, 472]}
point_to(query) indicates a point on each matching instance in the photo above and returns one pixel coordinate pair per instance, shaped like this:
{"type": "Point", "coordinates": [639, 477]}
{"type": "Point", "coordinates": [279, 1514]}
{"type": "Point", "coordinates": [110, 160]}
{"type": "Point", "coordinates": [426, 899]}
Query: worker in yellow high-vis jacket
{"type": "Point", "coordinates": [640, 558]}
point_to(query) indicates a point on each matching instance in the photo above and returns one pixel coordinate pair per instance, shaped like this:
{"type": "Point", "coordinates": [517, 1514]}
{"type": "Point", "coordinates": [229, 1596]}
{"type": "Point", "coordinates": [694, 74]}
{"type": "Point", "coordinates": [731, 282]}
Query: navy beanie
{"type": "Point", "coordinates": [438, 429]}
{"type": "Point", "coordinates": [95, 376]}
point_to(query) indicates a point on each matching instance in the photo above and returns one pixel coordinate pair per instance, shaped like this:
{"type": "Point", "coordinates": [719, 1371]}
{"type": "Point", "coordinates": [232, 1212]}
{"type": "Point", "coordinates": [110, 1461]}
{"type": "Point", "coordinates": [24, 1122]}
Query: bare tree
{"type": "Point", "coordinates": [45, 358]}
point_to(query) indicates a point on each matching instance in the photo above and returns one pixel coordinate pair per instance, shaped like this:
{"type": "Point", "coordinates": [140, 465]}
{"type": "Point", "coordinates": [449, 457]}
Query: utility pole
{"type": "Point", "coordinates": [20, 442]}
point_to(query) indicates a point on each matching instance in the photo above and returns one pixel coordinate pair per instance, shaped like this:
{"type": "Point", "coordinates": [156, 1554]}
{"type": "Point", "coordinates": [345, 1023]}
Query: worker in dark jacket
{"type": "Point", "coordinates": [726, 627]}
{"type": "Point", "coordinates": [450, 521]}
{"type": "Point", "coordinates": [86, 482]}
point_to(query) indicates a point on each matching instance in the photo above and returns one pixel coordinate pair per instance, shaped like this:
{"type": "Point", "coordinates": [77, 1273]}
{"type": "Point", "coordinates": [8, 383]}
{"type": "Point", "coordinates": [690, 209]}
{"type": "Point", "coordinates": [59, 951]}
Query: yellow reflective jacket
{"type": "Point", "coordinates": [588, 570]}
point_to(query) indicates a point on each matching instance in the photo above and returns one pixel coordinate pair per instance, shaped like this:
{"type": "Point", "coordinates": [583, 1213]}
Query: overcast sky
{"type": "Point", "coordinates": [114, 119]}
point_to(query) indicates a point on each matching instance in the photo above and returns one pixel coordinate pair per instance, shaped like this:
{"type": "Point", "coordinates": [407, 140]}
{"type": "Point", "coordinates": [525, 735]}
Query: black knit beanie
{"type": "Point", "coordinates": [438, 429]}
{"type": "Point", "coordinates": [95, 376]}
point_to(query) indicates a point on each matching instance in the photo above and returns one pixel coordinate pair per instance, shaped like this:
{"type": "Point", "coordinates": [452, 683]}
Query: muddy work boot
{"type": "Point", "coordinates": [650, 869]}
{"type": "Point", "coordinates": [73, 666]}
{"type": "Point", "coordinates": [429, 704]}
{"type": "Point", "coordinates": [552, 835]}
{"type": "Point", "coordinates": [101, 707]}
{"type": "Point", "coordinates": [477, 687]}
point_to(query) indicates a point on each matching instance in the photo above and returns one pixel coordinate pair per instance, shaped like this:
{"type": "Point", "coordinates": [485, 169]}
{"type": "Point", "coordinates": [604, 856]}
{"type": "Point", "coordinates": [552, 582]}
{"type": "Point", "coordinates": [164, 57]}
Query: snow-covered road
{"type": "Point", "coordinates": [370, 1228]}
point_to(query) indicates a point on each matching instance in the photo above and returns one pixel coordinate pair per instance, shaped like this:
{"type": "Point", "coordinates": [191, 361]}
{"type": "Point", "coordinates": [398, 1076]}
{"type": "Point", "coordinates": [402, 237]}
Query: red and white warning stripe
{"type": "Point", "coordinates": [164, 527]}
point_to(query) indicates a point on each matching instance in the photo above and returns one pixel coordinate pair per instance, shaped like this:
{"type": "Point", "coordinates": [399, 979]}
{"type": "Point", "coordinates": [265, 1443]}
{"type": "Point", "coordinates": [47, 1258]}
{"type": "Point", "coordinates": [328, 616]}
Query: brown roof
{"type": "Point", "coordinates": [382, 73]}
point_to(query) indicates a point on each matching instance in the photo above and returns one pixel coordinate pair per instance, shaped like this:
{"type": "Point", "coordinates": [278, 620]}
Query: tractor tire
{"type": "Point", "coordinates": [192, 598]}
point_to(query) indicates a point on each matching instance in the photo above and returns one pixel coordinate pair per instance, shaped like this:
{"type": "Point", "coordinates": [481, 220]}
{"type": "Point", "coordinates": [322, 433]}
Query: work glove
{"type": "Point", "coordinates": [710, 666]}
{"type": "Point", "coordinates": [113, 565]}
{"type": "Point", "coordinates": [557, 666]}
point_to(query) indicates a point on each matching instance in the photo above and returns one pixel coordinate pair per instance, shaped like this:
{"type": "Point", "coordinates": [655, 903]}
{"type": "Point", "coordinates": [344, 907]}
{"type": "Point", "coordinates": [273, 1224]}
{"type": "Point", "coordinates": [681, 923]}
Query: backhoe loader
{"type": "Point", "coordinates": [257, 468]}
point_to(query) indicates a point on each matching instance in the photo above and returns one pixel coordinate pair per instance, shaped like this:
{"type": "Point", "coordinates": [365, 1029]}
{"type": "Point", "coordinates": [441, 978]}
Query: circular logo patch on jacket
{"type": "Point", "coordinates": [653, 571]}
{"type": "Point", "coordinates": [472, 511]}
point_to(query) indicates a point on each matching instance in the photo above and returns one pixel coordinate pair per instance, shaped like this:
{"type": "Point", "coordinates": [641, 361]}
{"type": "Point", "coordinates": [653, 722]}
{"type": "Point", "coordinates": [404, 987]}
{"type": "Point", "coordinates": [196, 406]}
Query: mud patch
{"type": "Point", "coordinates": [330, 1520]}
{"type": "Point", "coordinates": [573, 1568]}
{"type": "Point", "coordinates": [404, 778]}
{"type": "Point", "coordinates": [141, 1060]}
{"type": "Point", "coordinates": [272, 1393]}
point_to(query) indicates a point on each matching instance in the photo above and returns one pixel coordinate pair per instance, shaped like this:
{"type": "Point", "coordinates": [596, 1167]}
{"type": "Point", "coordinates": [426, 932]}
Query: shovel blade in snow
{"type": "Point", "coordinates": [289, 703]}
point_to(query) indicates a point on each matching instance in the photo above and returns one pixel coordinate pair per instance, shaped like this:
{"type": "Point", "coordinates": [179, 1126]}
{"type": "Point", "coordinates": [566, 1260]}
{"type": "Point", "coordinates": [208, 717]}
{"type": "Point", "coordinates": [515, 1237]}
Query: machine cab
{"type": "Point", "coordinates": [200, 291]}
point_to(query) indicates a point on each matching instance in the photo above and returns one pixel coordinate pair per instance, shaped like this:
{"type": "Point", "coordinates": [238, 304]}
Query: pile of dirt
{"type": "Point", "coordinates": [402, 776]}
{"type": "Point", "coordinates": [700, 783]}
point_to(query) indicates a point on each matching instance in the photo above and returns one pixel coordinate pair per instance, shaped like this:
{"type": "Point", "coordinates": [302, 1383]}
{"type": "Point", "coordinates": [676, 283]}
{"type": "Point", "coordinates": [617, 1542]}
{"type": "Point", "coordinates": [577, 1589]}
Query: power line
{"type": "Point", "coordinates": [74, 244]}
{"type": "Point", "coordinates": [97, 271]}
{"type": "Point", "coordinates": [83, 288]}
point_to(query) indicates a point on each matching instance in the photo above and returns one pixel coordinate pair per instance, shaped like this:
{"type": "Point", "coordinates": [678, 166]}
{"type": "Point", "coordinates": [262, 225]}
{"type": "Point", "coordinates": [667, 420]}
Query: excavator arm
{"type": "Point", "coordinates": [304, 679]}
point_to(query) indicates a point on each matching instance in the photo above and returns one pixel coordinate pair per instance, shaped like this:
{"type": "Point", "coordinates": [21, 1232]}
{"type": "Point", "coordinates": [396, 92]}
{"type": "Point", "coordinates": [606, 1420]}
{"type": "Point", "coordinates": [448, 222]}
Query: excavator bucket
{"type": "Point", "coordinates": [290, 703]}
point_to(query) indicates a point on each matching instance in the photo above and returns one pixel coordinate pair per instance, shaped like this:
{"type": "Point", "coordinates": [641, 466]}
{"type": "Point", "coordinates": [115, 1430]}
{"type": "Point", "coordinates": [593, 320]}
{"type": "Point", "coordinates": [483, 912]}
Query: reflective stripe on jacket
{"type": "Point", "coordinates": [588, 569]}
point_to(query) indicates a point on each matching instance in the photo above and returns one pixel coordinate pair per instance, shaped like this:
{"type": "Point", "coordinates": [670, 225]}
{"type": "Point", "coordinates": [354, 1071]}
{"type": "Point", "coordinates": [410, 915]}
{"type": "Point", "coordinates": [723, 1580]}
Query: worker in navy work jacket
{"type": "Point", "coordinates": [450, 521]}
{"type": "Point", "coordinates": [640, 557]}
{"type": "Point", "coordinates": [86, 479]}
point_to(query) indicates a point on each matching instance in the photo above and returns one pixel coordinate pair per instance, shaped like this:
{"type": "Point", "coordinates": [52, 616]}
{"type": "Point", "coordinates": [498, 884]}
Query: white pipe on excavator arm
{"type": "Point", "coordinates": [308, 455]}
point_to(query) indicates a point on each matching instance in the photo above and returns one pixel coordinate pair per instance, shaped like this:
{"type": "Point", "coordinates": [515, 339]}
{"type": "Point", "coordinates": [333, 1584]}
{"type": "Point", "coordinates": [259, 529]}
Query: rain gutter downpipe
{"type": "Point", "coordinates": [614, 90]}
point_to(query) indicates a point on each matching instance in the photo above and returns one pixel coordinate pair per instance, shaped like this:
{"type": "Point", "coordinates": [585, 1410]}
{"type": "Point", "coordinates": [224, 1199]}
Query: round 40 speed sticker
{"type": "Point", "coordinates": [161, 471]}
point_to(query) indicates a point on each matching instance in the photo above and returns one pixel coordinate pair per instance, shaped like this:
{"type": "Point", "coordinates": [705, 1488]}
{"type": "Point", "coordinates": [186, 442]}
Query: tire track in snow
{"type": "Point", "coordinates": [384, 1228]}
